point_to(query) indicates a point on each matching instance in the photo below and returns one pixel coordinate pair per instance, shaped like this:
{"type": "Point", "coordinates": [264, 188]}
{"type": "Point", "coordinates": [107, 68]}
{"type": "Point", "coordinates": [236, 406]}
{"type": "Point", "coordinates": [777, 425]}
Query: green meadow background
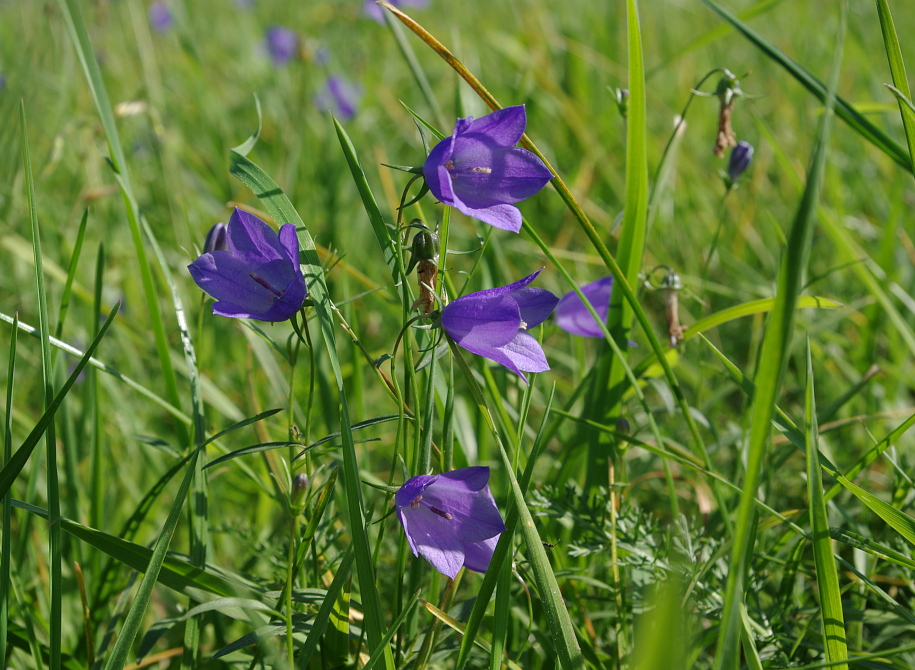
{"type": "Point", "coordinates": [634, 495]}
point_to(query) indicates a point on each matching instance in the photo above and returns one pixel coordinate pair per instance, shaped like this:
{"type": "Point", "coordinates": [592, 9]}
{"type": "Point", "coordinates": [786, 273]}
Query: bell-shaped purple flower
{"type": "Point", "coordinates": [741, 155]}
{"type": "Point", "coordinates": [572, 315]}
{"type": "Point", "coordinates": [160, 17]}
{"type": "Point", "coordinates": [340, 97]}
{"type": "Point", "coordinates": [259, 277]}
{"type": "Point", "coordinates": [451, 519]}
{"type": "Point", "coordinates": [216, 239]}
{"type": "Point", "coordinates": [282, 44]}
{"type": "Point", "coordinates": [492, 323]}
{"type": "Point", "coordinates": [479, 171]}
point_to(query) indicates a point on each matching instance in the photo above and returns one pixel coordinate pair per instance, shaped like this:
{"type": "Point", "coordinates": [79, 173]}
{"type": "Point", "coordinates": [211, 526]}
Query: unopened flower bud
{"type": "Point", "coordinates": [216, 239]}
{"type": "Point", "coordinates": [727, 90]}
{"type": "Point", "coordinates": [622, 426]}
{"type": "Point", "coordinates": [741, 156]}
{"type": "Point", "coordinates": [299, 487]}
{"type": "Point", "coordinates": [425, 247]}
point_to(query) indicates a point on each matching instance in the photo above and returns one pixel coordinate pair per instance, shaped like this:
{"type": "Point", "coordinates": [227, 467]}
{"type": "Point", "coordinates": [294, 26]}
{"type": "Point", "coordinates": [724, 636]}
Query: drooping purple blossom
{"type": "Point", "coordinates": [160, 17]}
{"type": "Point", "coordinates": [376, 13]}
{"type": "Point", "coordinates": [282, 44]}
{"type": "Point", "coordinates": [340, 97]}
{"type": "Point", "coordinates": [451, 519]}
{"type": "Point", "coordinates": [493, 323]}
{"type": "Point", "coordinates": [479, 171]}
{"type": "Point", "coordinates": [216, 239]}
{"type": "Point", "coordinates": [741, 155]}
{"type": "Point", "coordinates": [259, 277]}
{"type": "Point", "coordinates": [572, 315]}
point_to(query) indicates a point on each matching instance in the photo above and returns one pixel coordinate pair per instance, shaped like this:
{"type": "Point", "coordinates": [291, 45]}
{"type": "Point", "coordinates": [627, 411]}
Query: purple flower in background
{"type": "Point", "coordinates": [259, 276]}
{"type": "Point", "coordinates": [244, 4]}
{"type": "Point", "coordinates": [451, 519]}
{"type": "Point", "coordinates": [572, 315]}
{"type": "Point", "coordinates": [216, 239]}
{"type": "Point", "coordinates": [741, 155]}
{"type": "Point", "coordinates": [376, 13]}
{"type": "Point", "coordinates": [340, 97]}
{"type": "Point", "coordinates": [160, 17]}
{"type": "Point", "coordinates": [479, 171]}
{"type": "Point", "coordinates": [282, 44]}
{"type": "Point", "coordinates": [492, 323]}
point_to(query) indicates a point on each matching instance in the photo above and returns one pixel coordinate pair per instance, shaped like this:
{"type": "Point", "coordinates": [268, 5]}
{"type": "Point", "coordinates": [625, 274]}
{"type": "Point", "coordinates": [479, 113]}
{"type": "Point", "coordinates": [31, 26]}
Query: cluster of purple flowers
{"type": "Point", "coordinates": [450, 519]}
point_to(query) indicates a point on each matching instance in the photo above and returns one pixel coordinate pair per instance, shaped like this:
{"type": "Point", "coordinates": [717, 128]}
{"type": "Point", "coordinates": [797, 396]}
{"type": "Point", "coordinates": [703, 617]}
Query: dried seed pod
{"type": "Point", "coordinates": [671, 285]}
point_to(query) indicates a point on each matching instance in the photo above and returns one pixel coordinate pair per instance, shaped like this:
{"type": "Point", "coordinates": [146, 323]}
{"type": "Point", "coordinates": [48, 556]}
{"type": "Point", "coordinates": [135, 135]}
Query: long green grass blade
{"type": "Point", "coordinates": [47, 374]}
{"type": "Point", "coordinates": [281, 210]}
{"type": "Point", "coordinates": [827, 576]}
{"type": "Point", "coordinates": [6, 538]}
{"type": "Point", "coordinates": [319, 623]}
{"type": "Point", "coordinates": [897, 69]}
{"type": "Point", "coordinates": [71, 275]}
{"type": "Point", "coordinates": [122, 646]}
{"type": "Point", "coordinates": [769, 373]}
{"type": "Point", "coordinates": [844, 110]}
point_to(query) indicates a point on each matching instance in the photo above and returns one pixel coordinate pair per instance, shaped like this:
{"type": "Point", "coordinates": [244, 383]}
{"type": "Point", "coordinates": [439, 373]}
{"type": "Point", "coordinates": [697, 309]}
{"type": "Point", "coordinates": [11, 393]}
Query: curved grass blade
{"type": "Point", "coordinates": [14, 465]}
{"type": "Point", "coordinates": [770, 371]}
{"type": "Point", "coordinates": [71, 275]}
{"type": "Point", "coordinates": [844, 110]}
{"type": "Point", "coordinates": [279, 207]}
{"type": "Point", "coordinates": [242, 424]}
{"type": "Point", "coordinates": [319, 623]}
{"type": "Point", "coordinates": [827, 576]}
{"type": "Point", "coordinates": [897, 69]}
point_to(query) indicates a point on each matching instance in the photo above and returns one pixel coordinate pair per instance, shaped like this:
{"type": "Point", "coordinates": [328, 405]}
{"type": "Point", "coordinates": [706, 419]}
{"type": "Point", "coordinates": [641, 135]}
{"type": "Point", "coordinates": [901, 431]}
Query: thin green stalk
{"type": "Point", "coordinates": [6, 548]}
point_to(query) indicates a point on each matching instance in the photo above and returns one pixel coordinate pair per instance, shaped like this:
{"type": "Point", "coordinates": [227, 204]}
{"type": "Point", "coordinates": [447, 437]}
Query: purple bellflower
{"type": "Point", "coordinates": [376, 13]}
{"type": "Point", "coordinates": [160, 17]}
{"type": "Point", "coordinates": [216, 239]}
{"type": "Point", "coordinates": [282, 44]}
{"type": "Point", "coordinates": [492, 323]}
{"type": "Point", "coordinates": [259, 276]}
{"type": "Point", "coordinates": [340, 97]}
{"type": "Point", "coordinates": [451, 519]}
{"type": "Point", "coordinates": [572, 315]}
{"type": "Point", "coordinates": [479, 171]}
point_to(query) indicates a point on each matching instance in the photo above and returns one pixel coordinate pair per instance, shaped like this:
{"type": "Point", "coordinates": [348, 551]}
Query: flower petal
{"type": "Point", "coordinates": [506, 217]}
{"type": "Point", "coordinates": [522, 354]}
{"type": "Point", "coordinates": [436, 175]}
{"type": "Point", "coordinates": [510, 175]}
{"type": "Point", "coordinates": [413, 487]}
{"type": "Point", "coordinates": [252, 241]}
{"type": "Point", "coordinates": [464, 495]}
{"type": "Point", "coordinates": [536, 304]}
{"type": "Point", "coordinates": [480, 322]}
{"type": "Point", "coordinates": [226, 278]}
{"type": "Point", "coordinates": [431, 537]}
{"type": "Point", "coordinates": [504, 126]}
{"type": "Point", "coordinates": [504, 290]}
{"type": "Point", "coordinates": [572, 315]}
{"type": "Point", "coordinates": [478, 555]}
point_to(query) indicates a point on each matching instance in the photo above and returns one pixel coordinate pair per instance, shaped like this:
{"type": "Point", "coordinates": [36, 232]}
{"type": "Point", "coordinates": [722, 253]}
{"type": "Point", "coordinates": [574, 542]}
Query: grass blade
{"type": "Point", "coordinates": [119, 654]}
{"type": "Point", "coordinates": [897, 69]}
{"type": "Point", "coordinates": [6, 539]}
{"type": "Point", "coordinates": [827, 576]}
{"type": "Point", "coordinates": [47, 376]}
{"type": "Point", "coordinates": [770, 370]}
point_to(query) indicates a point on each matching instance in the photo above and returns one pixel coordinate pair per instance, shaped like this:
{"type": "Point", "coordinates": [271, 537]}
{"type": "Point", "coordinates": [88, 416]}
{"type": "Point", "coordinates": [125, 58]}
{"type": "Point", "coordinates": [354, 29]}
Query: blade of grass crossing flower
{"type": "Point", "coordinates": [76, 28]}
{"type": "Point", "coordinates": [557, 614]}
{"type": "Point", "coordinates": [379, 227]}
{"type": "Point", "coordinates": [845, 111]}
{"type": "Point", "coordinates": [124, 642]}
{"type": "Point", "coordinates": [279, 207]}
{"type": "Point", "coordinates": [53, 489]}
{"type": "Point", "coordinates": [14, 465]}
{"type": "Point", "coordinates": [827, 577]}
{"type": "Point", "coordinates": [897, 69]}
{"type": "Point", "coordinates": [770, 370]}
{"type": "Point", "coordinates": [6, 536]}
